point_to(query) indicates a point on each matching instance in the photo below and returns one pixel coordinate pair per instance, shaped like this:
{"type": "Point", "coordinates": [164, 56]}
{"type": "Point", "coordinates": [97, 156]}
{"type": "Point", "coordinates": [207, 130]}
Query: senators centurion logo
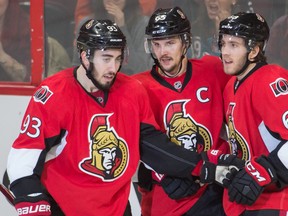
{"type": "Point", "coordinates": [108, 152]}
{"type": "Point", "coordinates": [238, 145]}
{"type": "Point", "coordinates": [183, 130]}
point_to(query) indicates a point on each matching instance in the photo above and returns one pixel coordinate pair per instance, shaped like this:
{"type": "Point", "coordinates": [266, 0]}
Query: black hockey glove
{"type": "Point", "coordinates": [249, 183]}
{"type": "Point", "coordinates": [217, 167]}
{"type": "Point", "coordinates": [178, 188]}
{"type": "Point", "coordinates": [33, 205]}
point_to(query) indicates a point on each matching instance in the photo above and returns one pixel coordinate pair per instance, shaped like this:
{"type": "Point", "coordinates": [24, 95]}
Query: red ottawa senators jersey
{"type": "Point", "coordinates": [88, 152]}
{"type": "Point", "coordinates": [190, 110]}
{"type": "Point", "coordinates": [256, 113]}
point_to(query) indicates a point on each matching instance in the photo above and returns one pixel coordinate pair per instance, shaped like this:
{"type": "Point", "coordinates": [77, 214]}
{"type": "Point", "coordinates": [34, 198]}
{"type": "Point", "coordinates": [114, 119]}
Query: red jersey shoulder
{"type": "Point", "coordinates": [143, 76]}
{"type": "Point", "coordinates": [206, 65]}
{"type": "Point", "coordinates": [125, 85]}
{"type": "Point", "coordinates": [269, 71]}
{"type": "Point", "coordinates": [211, 58]}
{"type": "Point", "coordinates": [267, 74]}
{"type": "Point", "coordinates": [272, 79]}
{"type": "Point", "coordinates": [210, 67]}
{"type": "Point", "coordinates": [55, 86]}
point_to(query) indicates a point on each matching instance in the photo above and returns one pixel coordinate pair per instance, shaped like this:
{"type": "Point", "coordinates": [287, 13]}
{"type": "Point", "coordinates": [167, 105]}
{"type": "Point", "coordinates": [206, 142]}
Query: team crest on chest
{"type": "Point", "coordinates": [238, 145]}
{"type": "Point", "coordinates": [183, 130]}
{"type": "Point", "coordinates": [108, 152]}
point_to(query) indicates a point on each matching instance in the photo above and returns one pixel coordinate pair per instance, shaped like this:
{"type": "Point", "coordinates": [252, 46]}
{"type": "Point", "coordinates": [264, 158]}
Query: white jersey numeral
{"type": "Point", "coordinates": [31, 126]}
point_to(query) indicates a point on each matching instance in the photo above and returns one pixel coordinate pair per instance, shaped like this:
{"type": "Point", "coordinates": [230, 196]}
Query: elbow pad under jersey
{"type": "Point", "coordinates": [278, 158]}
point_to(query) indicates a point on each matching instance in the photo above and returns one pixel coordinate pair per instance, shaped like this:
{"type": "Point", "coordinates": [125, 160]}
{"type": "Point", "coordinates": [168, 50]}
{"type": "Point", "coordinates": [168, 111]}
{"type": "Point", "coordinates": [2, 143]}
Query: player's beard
{"type": "Point", "coordinates": [103, 86]}
{"type": "Point", "coordinates": [106, 86]}
{"type": "Point", "coordinates": [170, 70]}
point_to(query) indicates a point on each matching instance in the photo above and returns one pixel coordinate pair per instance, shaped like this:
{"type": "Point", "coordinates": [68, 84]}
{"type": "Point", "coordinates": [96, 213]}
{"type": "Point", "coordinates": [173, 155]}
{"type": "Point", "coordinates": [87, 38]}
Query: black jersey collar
{"type": "Point", "coordinates": [257, 66]}
{"type": "Point", "coordinates": [163, 82]}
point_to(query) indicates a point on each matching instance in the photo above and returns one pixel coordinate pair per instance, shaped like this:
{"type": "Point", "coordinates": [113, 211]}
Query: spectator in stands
{"type": "Point", "coordinates": [56, 57]}
{"type": "Point", "coordinates": [14, 42]}
{"type": "Point", "coordinates": [15, 58]}
{"type": "Point", "coordinates": [149, 6]}
{"type": "Point", "coordinates": [204, 39]}
{"type": "Point", "coordinates": [127, 15]}
{"type": "Point", "coordinates": [270, 9]}
{"type": "Point", "coordinates": [276, 50]}
{"type": "Point", "coordinates": [59, 15]}
{"type": "Point", "coordinates": [190, 8]}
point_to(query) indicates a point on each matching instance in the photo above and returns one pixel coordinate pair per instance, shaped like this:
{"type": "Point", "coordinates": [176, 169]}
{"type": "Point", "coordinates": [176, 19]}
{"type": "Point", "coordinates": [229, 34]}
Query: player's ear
{"type": "Point", "coordinates": [253, 53]}
{"type": "Point", "coordinates": [85, 59]}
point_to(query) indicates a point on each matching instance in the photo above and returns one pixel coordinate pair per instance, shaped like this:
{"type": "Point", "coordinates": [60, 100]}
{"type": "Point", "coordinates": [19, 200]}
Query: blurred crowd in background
{"type": "Point", "coordinates": [63, 19]}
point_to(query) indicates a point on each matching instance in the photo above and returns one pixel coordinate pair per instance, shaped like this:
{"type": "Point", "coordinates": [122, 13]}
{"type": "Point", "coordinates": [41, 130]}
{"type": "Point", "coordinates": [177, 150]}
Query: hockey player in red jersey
{"type": "Point", "coordinates": [255, 102]}
{"type": "Point", "coordinates": [186, 98]}
{"type": "Point", "coordinates": [78, 145]}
